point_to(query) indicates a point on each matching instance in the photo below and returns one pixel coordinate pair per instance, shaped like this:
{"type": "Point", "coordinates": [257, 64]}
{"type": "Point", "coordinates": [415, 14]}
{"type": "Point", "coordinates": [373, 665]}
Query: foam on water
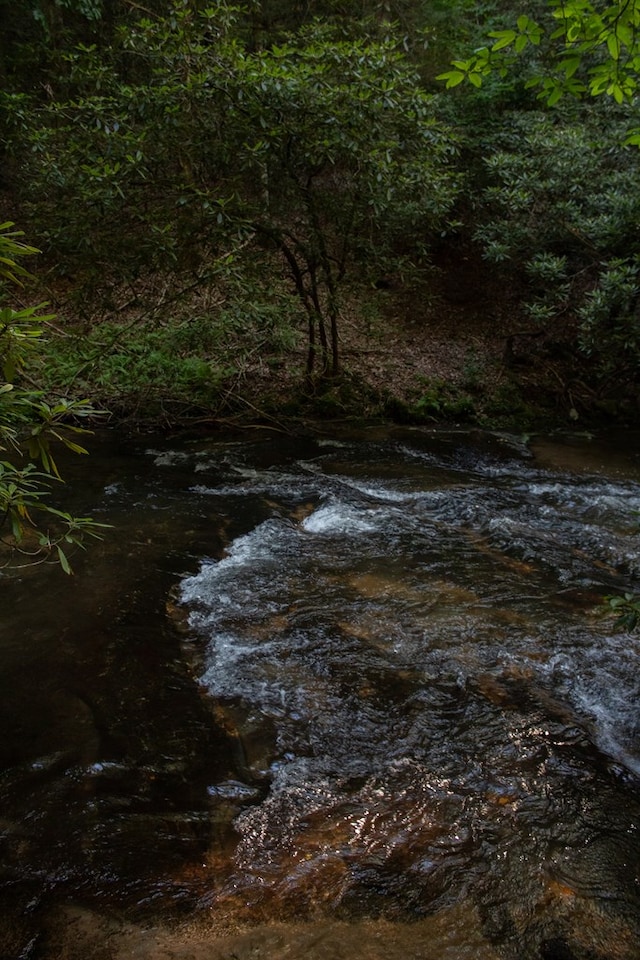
{"type": "Point", "coordinates": [398, 567]}
{"type": "Point", "coordinates": [377, 491]}
{"type": "Point", "coordinates": [256, 547]}
{"type": "Point", "coordinates": [425, 699]}
{"type": "Point", "coordinates": [167, 458]}
{"type": "Point", "coordinates": [598, 675]}
{"type": "Point", "coordinates": [334, 517]}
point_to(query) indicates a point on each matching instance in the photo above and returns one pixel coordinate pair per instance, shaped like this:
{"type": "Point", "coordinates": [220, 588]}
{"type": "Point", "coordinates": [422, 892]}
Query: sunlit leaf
{"type": "Point", "coordinates": [613, 45]}
{"type": "Point", "coordinates": [504, 38]}
{"type": "Point", "coordinates": [453, 78]}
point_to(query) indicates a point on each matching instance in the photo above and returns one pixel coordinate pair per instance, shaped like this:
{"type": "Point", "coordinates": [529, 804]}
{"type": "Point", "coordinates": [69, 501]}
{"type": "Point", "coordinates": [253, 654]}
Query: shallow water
{"type": "Point", "coordinates": [358, 677]}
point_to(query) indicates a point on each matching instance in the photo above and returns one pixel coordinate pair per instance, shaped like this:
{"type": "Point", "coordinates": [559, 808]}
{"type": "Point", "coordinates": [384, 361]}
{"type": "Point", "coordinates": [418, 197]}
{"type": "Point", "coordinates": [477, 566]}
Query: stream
{"type": "Point", "coordinates": [347, 694]}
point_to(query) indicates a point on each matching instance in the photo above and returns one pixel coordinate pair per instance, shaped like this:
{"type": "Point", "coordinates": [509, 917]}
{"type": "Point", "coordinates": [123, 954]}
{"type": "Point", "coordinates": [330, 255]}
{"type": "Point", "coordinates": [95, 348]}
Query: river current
{"type": "Point", "coordinates": [354, 678]}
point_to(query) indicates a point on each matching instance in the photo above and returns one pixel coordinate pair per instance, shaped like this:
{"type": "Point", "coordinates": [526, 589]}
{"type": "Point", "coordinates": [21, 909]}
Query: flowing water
{"type": "Point", "coordinates": [359, 682]}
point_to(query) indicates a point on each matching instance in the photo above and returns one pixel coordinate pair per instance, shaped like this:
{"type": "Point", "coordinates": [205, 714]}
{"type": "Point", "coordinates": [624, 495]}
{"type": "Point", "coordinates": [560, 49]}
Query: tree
{"type": "Point", "coordinates": [559, 211]}
{"type": "Point", "coordinates": [342, 147]}
{"type": "Point", "coordinates": [30, 423]}
{"type": "Point", "coordinates": [321, 151]}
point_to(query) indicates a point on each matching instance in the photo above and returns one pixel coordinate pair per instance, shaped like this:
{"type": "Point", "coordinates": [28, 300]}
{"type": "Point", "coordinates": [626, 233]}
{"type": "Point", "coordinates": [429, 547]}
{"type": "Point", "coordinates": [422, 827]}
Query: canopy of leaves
{"type": "Point", "coordinates": [311, 147]}
{"type": "Point", "coordinates": [576, 47]}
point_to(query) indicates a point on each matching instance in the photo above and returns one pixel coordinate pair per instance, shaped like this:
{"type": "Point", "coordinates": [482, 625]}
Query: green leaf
{"type": "Point", "coordinates": [453, 78]}
{"type": "Point", "coordinates": [613, 45]}
{"type": "Point", "coordinates": [64, 563]}
{"type": "Point", "coordinates": [475, 79]}
{"type": "Point", "coordinates": [73, 446]}
{"type": "Point", "coordinates": [535, 35]}
{"type": "Point", "coordinates": [504, 38]}
{"type": "Point", "coordinates": [16, 526]}
{"type": "Point", "coordinates": [624, 34]}
{"type": "Point", "coordinates": [570, 66]}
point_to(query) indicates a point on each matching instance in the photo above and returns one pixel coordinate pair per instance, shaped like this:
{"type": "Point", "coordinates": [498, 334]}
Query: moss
{"type": "Point", "coordinates": [507, 407]}
{"type": "Point", "coordinates": [440, 400]}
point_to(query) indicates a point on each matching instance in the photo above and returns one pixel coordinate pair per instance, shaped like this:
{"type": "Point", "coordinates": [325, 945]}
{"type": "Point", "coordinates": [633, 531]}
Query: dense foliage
{"type": "Point", "coordinates": [218, 184]}
{"type": "Point", "coordinates": [577, 48]}
{"type": "Point", "coordinates": [218, 157]}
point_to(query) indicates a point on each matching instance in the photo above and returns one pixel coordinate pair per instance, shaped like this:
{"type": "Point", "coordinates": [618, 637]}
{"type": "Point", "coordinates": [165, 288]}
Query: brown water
{"type": "Point", "coordinates": [357, 685]}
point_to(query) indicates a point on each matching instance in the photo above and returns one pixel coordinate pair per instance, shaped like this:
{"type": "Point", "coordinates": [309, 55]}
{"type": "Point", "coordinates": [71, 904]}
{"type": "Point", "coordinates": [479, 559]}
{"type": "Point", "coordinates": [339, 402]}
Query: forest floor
{"type": "Point", "coordinates": [458, 350]}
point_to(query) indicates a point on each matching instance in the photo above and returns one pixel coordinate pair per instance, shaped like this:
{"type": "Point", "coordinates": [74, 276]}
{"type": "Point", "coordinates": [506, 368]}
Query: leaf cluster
{"type": "Point", "coordinates": [581, 48]}
{"type": "Point", "coordinates": [626, 607]}
{"type": "Point", "coordinates": [30, 426]}
{"type": "Point", "coordinates": [559, 209]}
